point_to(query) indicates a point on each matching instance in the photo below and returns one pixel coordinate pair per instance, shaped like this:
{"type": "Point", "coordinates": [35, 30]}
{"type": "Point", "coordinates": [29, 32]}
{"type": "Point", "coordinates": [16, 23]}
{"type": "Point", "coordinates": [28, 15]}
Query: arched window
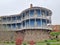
{"type": "Point", "coordinates": [4, 19]}
{"type": "Point", "coordinates": [8, 18]}
{"type": "Point", "coordinates": [19, 25]}
{"type": "Point", "coordinates": [27, 13]}
{"type": "Point", "coordinates": [13, 25]}
{"type": "Point", "coordinates": [9, 25]}
{"type": "Point", "coordinates": [4, 25]}
{"type": "Point", "coordinates": [23, 23]}
{"type": "Point", "coordinates": [47, 13]}
{"type": "Point", "coordinates": [43, 22]}
{"type": "Point", "coordinates": [27, 23]}
{"type": "Point", "coordinates": [13, 18]}
{"type": "Point", "coordinates": [43, 12]}
{"type": "Point", "coordinates": [32, 22]}
{"type": "Point", "coordinates": [38, 22]}
{"type": "Point", "coordinates": [38, 12]}
{"type": "Point", "coordinates": [23, 15]}
{"type": "Point", "coordinates": [18, 17]}
{"type": "Point", "coordinates": [31, 13]}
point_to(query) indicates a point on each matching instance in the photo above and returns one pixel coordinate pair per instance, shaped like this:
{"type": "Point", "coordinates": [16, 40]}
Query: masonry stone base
{"type": "Point", "coordinates": [34, 35]}
{"type": "Point", "coordinates": [26, 35]}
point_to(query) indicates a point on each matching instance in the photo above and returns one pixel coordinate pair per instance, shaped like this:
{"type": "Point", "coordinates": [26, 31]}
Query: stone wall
{"type": "Point", "coordinates": [7, 36]}
{"type": "Point", "coordinates": [36, 35]}
{"type": "Point", "coordinates": [27, 35]}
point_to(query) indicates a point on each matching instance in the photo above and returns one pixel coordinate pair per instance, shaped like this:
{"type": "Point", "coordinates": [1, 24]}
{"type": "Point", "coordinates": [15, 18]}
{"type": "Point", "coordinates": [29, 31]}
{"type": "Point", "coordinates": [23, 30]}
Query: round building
{"type": "Point", "coordinates": [30, 24]}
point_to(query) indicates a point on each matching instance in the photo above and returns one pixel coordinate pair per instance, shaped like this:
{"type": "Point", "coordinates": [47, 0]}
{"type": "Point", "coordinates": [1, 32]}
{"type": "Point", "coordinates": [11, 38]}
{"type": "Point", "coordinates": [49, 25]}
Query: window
{"type": "Point", "coordinates": [38, 12]}
{"type": "Point", "coordinates": [38, 22]}
{"type": "Point", "coordinates": [31, 13]}
{"type": "Point", "coordinates": [27, 14]}
{"type": "Point", "coordinates": [23, 23]}
{"type": "Point", "coordinates": [32, 22]}
{"type": "Point", "coordinates": [4, 25]}
{"type": "Point", "coordinates": [43, 22]}
{"type": "Point", "coordinates": [19, 25]}
{"type": "Point", "coordinates": [47, 13]}
{"type": "Point", "coordinates": [47, 21]}
{"type": "Point", "coordinates": [14, 18]}
{"type": "Point", "coordinates": [18, 18]}
{"type": "Point", "coordinates": [13, 25]}
{"type": "Point", "coordinates": [8, 18]}
{"type": "Point", "coordinates": [4, 19]}
{"type": "Point", "coordinates": [43, 12]}
{"type": "Point", "coordinates": [27, 23]}
{"type": "Point", "coordinates": [23, 15]}
{"type": "Point", "coordinates": [9, 25]}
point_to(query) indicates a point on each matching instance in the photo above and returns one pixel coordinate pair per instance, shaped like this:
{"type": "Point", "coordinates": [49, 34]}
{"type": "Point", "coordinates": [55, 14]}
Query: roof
{"type": "Point", "coordinates": [42, 8]}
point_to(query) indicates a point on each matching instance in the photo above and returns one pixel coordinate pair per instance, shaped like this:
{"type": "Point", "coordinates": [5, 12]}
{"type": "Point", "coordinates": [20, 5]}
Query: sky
{"type": "Point", "coordinates": [11, 7]}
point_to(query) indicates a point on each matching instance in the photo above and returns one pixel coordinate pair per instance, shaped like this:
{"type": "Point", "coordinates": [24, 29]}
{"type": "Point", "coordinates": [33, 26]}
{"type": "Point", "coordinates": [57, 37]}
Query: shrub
{"type": "Point", "coordinates": [58, 40]}
{"type": "Point", "coordinates": [48, 43]}
{"type": "Point", "coordinates": [7, 42]}
{"type": "Point", "coordinates": [12, 41]}
{"type": "Point", "coordinates": [24, 43]}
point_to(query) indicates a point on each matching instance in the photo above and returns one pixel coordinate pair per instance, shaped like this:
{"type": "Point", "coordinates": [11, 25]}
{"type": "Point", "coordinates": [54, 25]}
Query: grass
{"type": "Point", "coordinates": [51, 42]}
{"type": "Point", "coordinates": [45, 43]}
{"type": "Point", "coordinates": [7, 44]}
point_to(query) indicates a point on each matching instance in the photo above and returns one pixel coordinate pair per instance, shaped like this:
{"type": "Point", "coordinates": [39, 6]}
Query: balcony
{"type": "Point", "coordinates": [29, 27]}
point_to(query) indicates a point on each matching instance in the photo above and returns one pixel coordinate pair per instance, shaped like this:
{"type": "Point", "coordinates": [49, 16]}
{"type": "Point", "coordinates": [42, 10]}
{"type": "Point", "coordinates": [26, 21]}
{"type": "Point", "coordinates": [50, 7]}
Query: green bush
{"type": "Point", "coordinates": [24, 43]}
{"type": "Point", "coordinates": [52, 40]}
{"type": "Point", "coordinates": [7, 42]}
{"type": "Point", "coordinates": [48, 43]}
{"type": "Point", "coordinates": [12, 41]}
{"type": "Point", "coordinates": [58, 40]}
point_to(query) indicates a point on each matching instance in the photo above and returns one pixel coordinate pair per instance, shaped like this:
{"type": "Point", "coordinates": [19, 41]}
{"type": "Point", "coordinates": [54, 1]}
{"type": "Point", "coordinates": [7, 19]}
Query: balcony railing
{"type": "Point", "coordinates": [22, 28]}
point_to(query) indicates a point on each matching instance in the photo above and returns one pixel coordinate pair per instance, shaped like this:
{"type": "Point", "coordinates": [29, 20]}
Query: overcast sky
{"type": "Point", "coordinates": [10, 7]}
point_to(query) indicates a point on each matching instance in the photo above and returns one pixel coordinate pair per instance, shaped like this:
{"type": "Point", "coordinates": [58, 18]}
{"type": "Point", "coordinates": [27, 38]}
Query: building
{"type": "Point", "coordinates": [30, 24]}
{"type": "Point", "coordinates": [56, 28]}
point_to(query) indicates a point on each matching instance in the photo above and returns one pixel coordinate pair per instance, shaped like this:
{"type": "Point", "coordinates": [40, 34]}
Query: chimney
{"type": "Point", "coordinates": [31, 5]}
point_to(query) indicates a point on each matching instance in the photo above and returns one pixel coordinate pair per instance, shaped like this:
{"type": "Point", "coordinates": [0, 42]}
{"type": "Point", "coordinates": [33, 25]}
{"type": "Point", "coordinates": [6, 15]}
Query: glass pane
{"type": "Point", "coordinates": [47, 13]}
{"type": "Point", "coordinates": [43, 22]}
{"type": "Point", "coordinates": [38, 12]}
{"type": "Point", "coordinates": [23, 24]}
{"type": "Point", "coordinates": [19, 25]}
{"type": "Point", "coordinates": [4, 19]}
{"type": "Point", "coordinates": [27, 23]}
{"type": "Point", "coordinates": [13, 25]}
{"type": "Point", "coordinates": [8, 18]}
{"type": "Point", "coordinates": [48, 21]}
{"type": "Point", "coordinates": [43, 12]}
{"type": "Point", "coordinates": [38, 22]}
{"type": "Point", "coordinates": [23, 15]}
{"type": "Point", "coordinates": [32, 22]}
{"type": "Point", "coordinates": [9, 25]}
{"type": "Point", "coordinates": [18, 18]}
{"type": "Point", "coordinates": [27, 14]}
{"type": "Point", "coordinates": [4, 25]}
{"type": "Point", "coordinates": [31, 13]}
{"type": "Point", "coordinates": [13, 18]}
